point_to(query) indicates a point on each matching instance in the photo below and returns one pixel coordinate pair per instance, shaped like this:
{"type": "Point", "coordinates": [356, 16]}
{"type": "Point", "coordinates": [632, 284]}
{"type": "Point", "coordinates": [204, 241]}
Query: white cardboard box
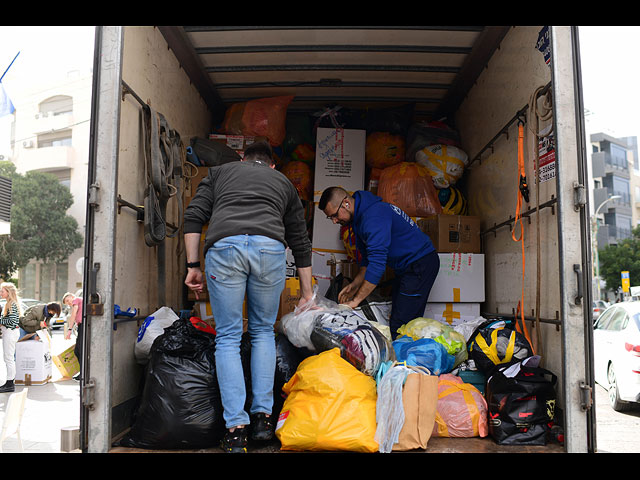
{"type": "Point", "coordinates": [33, 359]}
{"type": "Point", "coordinates": [460, 279]}
{"type": "Point", "coordinates": [340, 160]}
{"type": "Point", "coordinates": [452, 313]}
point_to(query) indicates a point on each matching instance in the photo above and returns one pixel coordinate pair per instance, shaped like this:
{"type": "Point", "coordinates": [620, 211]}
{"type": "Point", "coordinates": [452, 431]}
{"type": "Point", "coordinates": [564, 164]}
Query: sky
{"type": "Point", "coordinates": [610, 78]}
{"type": "Point", "coordinates": [50, 51]}
{"type": "Point", "coordinates": [609, 59]}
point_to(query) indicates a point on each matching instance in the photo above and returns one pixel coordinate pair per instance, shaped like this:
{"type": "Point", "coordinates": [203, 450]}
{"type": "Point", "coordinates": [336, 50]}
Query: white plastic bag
{"type": "Point", "coordinates": [151, 328]}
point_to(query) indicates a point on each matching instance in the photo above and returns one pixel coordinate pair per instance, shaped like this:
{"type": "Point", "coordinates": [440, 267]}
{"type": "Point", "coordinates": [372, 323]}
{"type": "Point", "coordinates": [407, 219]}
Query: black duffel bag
{"type": "Point", "coordinates": [521, 403]}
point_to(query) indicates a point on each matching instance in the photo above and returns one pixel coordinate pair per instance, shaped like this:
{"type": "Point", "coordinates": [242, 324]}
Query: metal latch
{"type": "Point", "coordinates": [586, 394]}
{"type": "Point", "coordinates": [88, 393]}
{"type": "Point", "coordinates": [95, 305]}
{"type": "Point", "coordinates": [579, 196]}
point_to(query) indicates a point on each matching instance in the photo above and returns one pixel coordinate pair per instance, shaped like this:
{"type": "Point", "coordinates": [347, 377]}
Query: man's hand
{"type": "Point", "coordinates": [347, 293]}
{"type": "Point", "coordinates": [195, 281]}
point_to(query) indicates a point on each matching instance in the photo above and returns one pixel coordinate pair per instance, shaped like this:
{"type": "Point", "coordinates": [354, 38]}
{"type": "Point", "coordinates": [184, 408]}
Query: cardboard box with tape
{"type": "Point", "coordinates": [460, 279]}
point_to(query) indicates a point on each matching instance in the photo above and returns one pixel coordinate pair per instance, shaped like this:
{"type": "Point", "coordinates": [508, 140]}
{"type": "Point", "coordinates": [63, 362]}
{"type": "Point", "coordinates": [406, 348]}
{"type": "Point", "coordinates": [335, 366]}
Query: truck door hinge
{"type": "Point", "coordinates": [94, 190]}
{"type": "Point", "coordinates": [579, 196]}
{"type": "Point", "coordinates": [586, 395]}
{"type": "Point", "coordinates": [88, 393]}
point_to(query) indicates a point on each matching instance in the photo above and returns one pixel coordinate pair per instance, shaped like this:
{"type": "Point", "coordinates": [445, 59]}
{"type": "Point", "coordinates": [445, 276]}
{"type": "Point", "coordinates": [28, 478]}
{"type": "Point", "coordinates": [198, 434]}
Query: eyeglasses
{"type": "Point", "coordinates": [335, 215]}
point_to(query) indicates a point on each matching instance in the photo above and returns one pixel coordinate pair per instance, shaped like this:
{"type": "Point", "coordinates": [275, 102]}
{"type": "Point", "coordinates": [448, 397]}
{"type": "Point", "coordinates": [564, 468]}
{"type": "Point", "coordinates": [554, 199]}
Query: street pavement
{"type": "Point", "coordinates": [49, 408]}
{"type": "Point", "coordinates": [616, 432]}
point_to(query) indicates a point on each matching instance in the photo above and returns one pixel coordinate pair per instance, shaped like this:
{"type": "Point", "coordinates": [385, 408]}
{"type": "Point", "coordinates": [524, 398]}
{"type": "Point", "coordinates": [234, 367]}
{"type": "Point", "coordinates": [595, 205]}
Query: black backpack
{"type": "Point", "coordinates": [521, 407]}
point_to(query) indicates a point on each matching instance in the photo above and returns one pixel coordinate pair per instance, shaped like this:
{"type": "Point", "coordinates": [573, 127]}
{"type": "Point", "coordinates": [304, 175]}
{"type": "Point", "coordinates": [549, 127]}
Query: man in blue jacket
{"type": "Point", "coordinates": [385, 235]}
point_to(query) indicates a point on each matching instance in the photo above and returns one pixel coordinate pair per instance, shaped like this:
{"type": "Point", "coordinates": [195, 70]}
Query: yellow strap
{"type": "Point", "coordinates": [493, 354]}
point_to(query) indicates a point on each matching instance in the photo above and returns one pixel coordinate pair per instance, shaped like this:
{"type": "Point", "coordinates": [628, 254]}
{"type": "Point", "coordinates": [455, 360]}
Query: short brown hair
{"type": "Point", "coordinates": [259, 150]}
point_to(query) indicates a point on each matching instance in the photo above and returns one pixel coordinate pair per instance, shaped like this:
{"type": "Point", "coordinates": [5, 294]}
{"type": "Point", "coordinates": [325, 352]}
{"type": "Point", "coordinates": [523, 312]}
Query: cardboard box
{"type": "Point", "coordinates": [452, 313]}
{"type": "Point", "coordinates": [33, 359]}
{"type": "Point", "coordinates": [67, 363]}
{"type": "Point", "coordinates": [460, 279]}
{"type": "Point", "coordinates": [453, 233]}
{"type": "Point", "coordinates": [291, 295]}
{"type": "Point", "coordinates": [340, 160]}
{"type": "Point", "coordinates": [235, 142]}
{"type": "Point", "coordinates": [192, 185]}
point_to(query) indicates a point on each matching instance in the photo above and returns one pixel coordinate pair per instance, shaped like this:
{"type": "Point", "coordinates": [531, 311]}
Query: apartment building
{"type": "Point", "coordinates": [50, 133]}
{"type": "Point", "coordinates": [616, 188]}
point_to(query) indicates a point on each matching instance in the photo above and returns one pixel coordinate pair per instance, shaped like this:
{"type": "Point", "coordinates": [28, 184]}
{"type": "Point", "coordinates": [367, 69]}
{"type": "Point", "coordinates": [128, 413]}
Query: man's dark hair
{"type": "Point", "coordinates": [329, 194]}
{"type": "Point", "coordinates": [259, 150]}
{"type": "Point", "coordinates": [54, 307]}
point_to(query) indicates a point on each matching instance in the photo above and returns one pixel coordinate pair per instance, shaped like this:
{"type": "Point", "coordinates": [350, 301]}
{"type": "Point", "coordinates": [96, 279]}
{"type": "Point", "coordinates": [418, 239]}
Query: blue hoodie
{"type": "Point", "coordinates": [385, 235]}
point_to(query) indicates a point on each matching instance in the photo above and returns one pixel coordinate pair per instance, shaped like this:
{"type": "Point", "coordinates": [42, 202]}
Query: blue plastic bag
{"type": "Point", "coordinates": [424, 352]}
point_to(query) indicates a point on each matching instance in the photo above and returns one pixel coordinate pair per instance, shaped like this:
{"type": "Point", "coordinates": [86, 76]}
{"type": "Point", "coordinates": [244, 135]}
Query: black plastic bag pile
{"type": "Point", "coordinates": [181, 406]}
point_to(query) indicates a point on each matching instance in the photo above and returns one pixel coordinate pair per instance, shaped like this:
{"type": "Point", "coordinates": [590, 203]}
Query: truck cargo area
{"type": "Point", "coordinates": [483, 82]}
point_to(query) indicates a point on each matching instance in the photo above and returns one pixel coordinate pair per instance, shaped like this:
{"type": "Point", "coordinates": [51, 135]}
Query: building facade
{"type": "Point", "coordinates": [50, 133]}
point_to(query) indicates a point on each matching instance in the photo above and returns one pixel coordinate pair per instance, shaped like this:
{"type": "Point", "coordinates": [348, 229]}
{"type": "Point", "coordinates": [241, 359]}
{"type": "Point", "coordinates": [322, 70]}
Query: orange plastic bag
{"type": "Point", "coordinates": [384, 149]}
{"type": "Point", "coordinates": [330, 406]}
{"type": "Point", "coordinates": [409, 186]}
{"type": "Point", "coordinates": [462, 409]}
{"type": "Point", "coordinates": [263, 117]}
{"type": "Point", "coordinates": [300, 174]}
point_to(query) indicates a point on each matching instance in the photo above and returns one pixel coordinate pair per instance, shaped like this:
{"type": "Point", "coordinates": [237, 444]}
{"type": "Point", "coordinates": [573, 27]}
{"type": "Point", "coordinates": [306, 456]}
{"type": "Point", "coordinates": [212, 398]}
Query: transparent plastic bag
{"type": "Point", "coordinates": [462, 409]}
{"type": "Point", "coordinates": [322, 324]}
{"type": "Point", "coordinates": [389, 407]}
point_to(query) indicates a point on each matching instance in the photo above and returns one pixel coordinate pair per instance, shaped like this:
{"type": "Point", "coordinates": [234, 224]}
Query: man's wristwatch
{"type": "Point", "coordinates": [193, 264]}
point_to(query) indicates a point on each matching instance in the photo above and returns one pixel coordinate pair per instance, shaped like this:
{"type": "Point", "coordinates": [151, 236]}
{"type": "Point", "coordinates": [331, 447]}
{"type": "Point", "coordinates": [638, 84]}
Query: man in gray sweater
{"type": "Point", "coordinates": [253, 212]}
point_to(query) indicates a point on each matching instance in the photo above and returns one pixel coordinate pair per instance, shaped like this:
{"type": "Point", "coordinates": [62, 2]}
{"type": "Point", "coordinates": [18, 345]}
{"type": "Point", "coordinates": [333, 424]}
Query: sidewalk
{"type": "Point", "coordinates": [49, 408]}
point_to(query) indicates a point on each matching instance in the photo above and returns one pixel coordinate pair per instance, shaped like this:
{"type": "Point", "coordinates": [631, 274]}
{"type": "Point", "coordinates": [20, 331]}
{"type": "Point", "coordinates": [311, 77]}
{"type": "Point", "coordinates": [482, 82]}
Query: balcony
{"type": "Point", "coordinates": [49, 122]}
{"type": "Point", "coordinates": [46, 159]}
{"type": "Point", "coordinates": [620, 205]}
{"type": "Point", "coordinates": [611, 235]}
{"type": "Point", "coordinates": [604, 164]}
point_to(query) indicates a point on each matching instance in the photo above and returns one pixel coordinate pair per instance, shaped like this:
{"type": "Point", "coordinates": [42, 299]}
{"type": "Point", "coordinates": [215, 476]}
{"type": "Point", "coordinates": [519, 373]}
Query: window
{"type": "Point", "coordinates": [55, 139]}
{"type": "Point", "coordinates": [604, 318]}
{"type": "Point", "coordinates": [58, 105]}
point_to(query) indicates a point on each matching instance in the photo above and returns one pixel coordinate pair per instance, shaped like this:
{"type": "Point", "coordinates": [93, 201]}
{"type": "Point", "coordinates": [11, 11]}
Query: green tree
{"type": "Point", "coordinates": [40, 226]}
{"type": "Point", "coordinates": [625, 256]}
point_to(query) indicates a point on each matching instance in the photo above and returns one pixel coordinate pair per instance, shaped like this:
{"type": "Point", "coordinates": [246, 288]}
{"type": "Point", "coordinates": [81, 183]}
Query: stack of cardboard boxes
{"type": "Point", "coordinates": [459, 288]}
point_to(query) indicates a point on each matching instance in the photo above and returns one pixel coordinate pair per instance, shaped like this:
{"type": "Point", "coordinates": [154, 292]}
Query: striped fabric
{"type": "Point", "coordinates": [12, 319]}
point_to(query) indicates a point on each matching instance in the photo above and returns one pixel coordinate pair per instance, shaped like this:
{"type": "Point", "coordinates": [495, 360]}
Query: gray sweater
{"type": "Point", "coordinates": [250, 198]}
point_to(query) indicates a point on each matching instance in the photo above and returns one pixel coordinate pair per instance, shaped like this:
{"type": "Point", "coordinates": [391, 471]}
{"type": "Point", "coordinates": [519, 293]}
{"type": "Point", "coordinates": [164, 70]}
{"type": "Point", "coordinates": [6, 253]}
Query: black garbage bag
{"type": "Point", "coordinates": [180, 406]}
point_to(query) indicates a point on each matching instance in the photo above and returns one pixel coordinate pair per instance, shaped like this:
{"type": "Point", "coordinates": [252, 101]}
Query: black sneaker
{"type": "Point", "coordinates": [261, 427]}
{"type": "Point", "coordinates": [8, 387]}
{"type": "Point", "coordinates": [236, 441]}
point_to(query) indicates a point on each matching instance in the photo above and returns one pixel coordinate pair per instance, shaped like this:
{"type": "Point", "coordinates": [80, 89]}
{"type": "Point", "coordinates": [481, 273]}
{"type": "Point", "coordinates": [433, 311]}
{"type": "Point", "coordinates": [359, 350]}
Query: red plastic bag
{"type": "Point", "coordinates": [409, 186]}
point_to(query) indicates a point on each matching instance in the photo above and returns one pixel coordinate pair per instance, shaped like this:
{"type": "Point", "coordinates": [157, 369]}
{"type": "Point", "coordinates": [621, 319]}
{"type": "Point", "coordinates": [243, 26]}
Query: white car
{"type": "Point", "coordinates": [616, 345]}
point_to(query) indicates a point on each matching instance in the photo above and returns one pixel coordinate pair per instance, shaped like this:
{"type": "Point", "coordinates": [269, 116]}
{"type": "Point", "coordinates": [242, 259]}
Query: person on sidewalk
{"type": "Point", "coordinates": [253, 212]}
{"type": "Point", "coordinates": [74, 318]}
{"type": "Point", "coordinates": [38, 317]}
{"type": "Point", "coordinates": [9, 320]}
{"type": "Point", "coordinates": [385, 236]}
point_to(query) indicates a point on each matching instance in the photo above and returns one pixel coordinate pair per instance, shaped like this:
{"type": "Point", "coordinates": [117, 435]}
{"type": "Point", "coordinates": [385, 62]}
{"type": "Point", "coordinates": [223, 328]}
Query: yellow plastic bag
{"type": "Point", "coordinates": [330, 406]}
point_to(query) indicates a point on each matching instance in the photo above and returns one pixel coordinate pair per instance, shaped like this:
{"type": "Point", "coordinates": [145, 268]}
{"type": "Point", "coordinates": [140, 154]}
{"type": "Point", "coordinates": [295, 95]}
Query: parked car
{"type": "Point", "coordinates": [599, 306]}
{"type": "Point", "coordinates": [616, 345]}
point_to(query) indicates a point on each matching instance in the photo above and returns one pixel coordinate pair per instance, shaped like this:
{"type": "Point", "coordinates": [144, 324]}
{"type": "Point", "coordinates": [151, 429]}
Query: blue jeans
{"type": "Point", "coordinates": [236, 265]}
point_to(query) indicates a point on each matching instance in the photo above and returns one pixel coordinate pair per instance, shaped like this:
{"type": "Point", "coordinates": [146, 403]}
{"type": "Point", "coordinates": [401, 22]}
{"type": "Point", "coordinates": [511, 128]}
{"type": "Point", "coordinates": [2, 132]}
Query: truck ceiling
{"type": "Point", "coordinates": [431, 67]}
